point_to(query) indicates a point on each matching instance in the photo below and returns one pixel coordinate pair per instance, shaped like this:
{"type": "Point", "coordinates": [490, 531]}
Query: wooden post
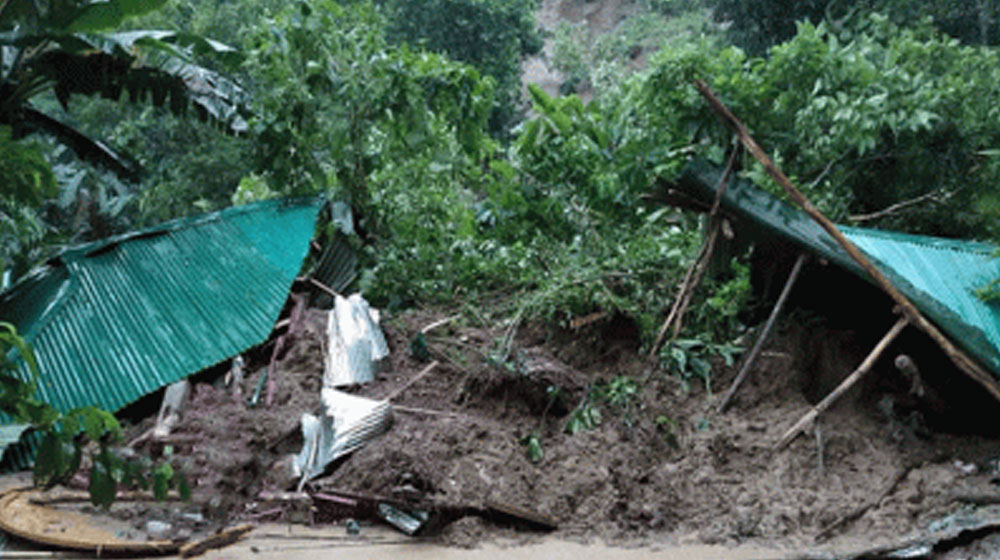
{"type": "Point", "coordinates": [846, 384]}
{"type": "Point", "coordinates": [957, 356]}
{"type": "Point", "coordinates": [759, 344]}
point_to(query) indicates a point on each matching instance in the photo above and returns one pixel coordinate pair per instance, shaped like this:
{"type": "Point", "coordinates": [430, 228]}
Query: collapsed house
{"type": "Point", "coordinates": [939, 276]}
{"type": "Point", "coordinates": [117, 319]}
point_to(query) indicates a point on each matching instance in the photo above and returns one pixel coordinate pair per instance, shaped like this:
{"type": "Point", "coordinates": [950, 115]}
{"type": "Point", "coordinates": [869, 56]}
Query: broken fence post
{"type": "Point", "coordinates": [846, 384]}
{"type": "Point", "coordinates": [759, 344]}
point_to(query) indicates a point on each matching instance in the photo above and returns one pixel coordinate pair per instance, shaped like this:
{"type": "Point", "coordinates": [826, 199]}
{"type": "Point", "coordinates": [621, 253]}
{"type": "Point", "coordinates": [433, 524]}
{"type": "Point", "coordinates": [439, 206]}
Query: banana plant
{"type": "Point", "coordinates": [66, 47]}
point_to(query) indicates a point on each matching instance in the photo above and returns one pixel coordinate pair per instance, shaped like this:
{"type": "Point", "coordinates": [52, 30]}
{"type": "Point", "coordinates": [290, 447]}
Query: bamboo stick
{"type": "Point", "coordinates": [697, 269]}
{"type": "Point", "coordinates": [846, 384]}
{"type": "Point", "coordinates": [745, 369]}
{"type": "Point", "coordinates": [957, 356]}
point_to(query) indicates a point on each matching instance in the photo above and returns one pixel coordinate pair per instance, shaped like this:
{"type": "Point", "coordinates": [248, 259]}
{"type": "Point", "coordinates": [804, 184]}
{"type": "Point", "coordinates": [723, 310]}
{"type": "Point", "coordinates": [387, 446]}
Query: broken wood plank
{"type": "Point", "coordinates": [506, 512]}
{"type": "Point", "coordinates": [957, 356]}
{"type": "Point", "coordinates": [221, 539]}
{"type": "Point", "coordinates": [323, 287]}
{"type": "Point", "coordinates": [745, 369]}
{"type": "Point", "coordinates": [846, 384]}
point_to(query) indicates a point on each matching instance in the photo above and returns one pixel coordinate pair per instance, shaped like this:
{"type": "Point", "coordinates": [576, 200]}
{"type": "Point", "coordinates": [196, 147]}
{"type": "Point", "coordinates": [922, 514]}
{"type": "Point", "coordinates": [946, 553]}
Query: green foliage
{"type": "Point", "coordinates": [340, 110]}
{"type": "Point", "coordinates": [758, 25]}
{"type": "Point", "coordinates": [586, 416]}
{"type": "Point", "coordinates": [620, 395]}
{"type": "Point", "coordinates": [690, 359]}
{"type": "Point", "coordinates": [862, 119]}
{"type": "Point", "coordinates": [491, 35]}
{"type": "Point", "coordinates": [28, 180]}
{"type": "Point", "coordinates": [44, 50]}
{"type": "Point", "coordinates": [533, 447]}
{"type": "Point", "coordinates": [667, 426]}
{"type": "Point", "coordinates": [64, 435]}
{"type": "Point", "coordinates": [251, 188]}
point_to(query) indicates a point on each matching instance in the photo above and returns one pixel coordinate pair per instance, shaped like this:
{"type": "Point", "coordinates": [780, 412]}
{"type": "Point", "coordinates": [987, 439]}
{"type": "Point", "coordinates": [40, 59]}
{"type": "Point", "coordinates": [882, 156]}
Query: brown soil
{"type": "Point", "coordinates": [597, 17]}
{"type": "Point", "coordinates": [709, 478]}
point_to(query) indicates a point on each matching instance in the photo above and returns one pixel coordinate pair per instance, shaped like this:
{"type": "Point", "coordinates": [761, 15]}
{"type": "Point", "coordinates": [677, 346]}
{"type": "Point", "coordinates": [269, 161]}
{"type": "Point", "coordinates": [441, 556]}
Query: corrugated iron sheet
{"type": "Point", "coordinates": [938, 275]}
{"type": "Point", "coordinates": [114, 320]}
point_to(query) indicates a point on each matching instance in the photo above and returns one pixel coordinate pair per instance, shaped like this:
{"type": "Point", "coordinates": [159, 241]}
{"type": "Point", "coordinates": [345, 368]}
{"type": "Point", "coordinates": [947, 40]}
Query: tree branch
{"type": "Point", "coordinates": [936, 195]}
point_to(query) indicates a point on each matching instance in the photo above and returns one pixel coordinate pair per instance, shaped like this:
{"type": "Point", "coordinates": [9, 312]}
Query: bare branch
{"type": "Point", "coordinates": [938, 196]}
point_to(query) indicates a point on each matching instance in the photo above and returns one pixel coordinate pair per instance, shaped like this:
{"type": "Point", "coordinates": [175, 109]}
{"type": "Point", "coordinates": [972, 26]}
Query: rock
{"type": "Point", "coordinates": [158, 530]}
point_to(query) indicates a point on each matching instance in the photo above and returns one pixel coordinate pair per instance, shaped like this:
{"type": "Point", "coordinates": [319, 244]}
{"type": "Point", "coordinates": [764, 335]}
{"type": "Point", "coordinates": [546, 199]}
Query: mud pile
{"type": "Point", "coordinates": [660, 466]}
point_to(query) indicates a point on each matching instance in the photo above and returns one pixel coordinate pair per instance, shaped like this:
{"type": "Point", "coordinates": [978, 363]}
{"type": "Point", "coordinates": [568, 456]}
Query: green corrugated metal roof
{"type": "Point", "coordinates": [114, 320]}
{"type": "Point", "coordinates": [938, 275]}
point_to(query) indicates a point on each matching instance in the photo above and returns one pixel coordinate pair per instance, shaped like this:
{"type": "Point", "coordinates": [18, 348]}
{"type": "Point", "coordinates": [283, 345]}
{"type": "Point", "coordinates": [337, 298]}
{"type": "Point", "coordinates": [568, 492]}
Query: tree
{"type": "Point", "coordinates": [51, 47]}
{"type": "Point", "coordinates": [758, 25]}
{"type": "Point", "coordinates": [52, 51]}
{"type": "Point", "coordinates": [491, 35]}
{"type": "Point", "coordinates": [342, 111]}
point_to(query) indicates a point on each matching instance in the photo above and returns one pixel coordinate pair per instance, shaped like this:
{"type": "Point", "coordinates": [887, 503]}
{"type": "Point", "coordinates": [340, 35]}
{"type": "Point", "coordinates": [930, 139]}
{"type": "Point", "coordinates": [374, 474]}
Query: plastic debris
{"type": "Point", "coordinates": [158, 530]}
{"type": "Point", "coordinates": [407, 522]}
{"type": "Point", "coordinates": [234, 379]}
{"type": "Point", "coordinates": [348, 422]}
{"type": "Point", "coordinates": [174, 399]}
{"type": "Point", "coordinates": [356, 343]}
{"type": "Point", "coordinates": [10, 434]}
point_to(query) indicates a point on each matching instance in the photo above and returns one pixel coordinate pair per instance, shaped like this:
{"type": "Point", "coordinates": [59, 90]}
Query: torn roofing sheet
{"type": "Point", "coordinates": [114, 320]}
{"type": "Point", "coordinates": [938, 275]}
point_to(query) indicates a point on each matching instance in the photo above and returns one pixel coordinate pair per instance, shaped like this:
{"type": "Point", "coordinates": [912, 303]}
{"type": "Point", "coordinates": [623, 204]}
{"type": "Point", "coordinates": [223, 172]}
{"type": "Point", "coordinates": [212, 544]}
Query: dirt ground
{"type": "Point", "coordinates": [703, 478]}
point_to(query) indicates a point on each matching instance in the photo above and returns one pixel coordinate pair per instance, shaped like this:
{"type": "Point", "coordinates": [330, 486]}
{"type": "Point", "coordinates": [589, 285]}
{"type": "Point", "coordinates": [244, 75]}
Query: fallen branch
{"type": "Point", "coordinates": [218, 540]}
{"type": "Point", "coordinates": [846, 384]}
{"type": "Point", "coordinates": [438, 323]}
{"type": "Point", "coordinates": [860, 511]}
{"type": "Point", "coordinates": [957, 356]}
{"type": "Point", "coordinates": [745, 369]}
{"type": "Point", "coordinates": [432, 412]}
{"type": "Point", "coordinates": [423, 373]}
{"type": "Point", "coordinates": [936, 196]}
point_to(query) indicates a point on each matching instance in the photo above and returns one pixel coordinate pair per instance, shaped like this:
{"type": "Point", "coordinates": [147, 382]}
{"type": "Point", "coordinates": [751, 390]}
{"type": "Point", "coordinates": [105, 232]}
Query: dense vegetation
{"type": "Point", "coordinates": [413, 113]}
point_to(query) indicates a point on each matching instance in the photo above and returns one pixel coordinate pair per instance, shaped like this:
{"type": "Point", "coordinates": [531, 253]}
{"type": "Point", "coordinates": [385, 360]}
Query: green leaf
{"type": "Point", "coordinates": [51, 461]}
{"type": "Point", "coordinates": [533, 447]}
{"type": "Point", "coordinates": [139, 7]}
{"type": "Point", "coordinates": [98, 16]}
{"type": "Point", "coordinates": [8, 338]}
{"type": "Point", "coordinates": [102, 485]}
{"type": "Point", "coordinates": [163, 474]}
{"type": "Point", "coordinates": [183, 488]}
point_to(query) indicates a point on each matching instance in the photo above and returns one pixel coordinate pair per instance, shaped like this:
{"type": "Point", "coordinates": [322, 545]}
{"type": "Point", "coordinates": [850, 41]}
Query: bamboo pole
{"type": "Point", "coordinates": [697, 269]}
{"type": "Point", "coordinates": [759, 344]}
{"type": "Point", "coordinates": [846, 384]}
{"type": "Point", "coordinates": [957, 356]}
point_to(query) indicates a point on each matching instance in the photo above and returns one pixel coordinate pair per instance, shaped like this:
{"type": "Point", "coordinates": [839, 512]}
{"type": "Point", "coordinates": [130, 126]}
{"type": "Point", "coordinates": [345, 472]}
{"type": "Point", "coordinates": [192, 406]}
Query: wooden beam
{"type": "Point", "coordinates": [759, 344]}
{"type": "Point", "coordinates": [846, 384]}
{"type": "Point", "coordinates": [957, 356]}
